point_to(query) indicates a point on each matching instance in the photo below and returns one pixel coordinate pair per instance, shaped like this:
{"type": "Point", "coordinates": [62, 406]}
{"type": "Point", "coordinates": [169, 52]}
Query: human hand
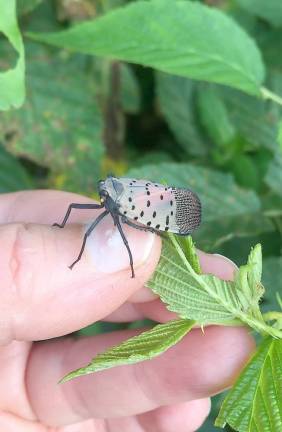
{"type": "Point", "coordinates": [42, 299]}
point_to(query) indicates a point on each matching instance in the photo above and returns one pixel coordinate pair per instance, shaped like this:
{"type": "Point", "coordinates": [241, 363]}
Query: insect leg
{"type": "Point", "coordinates": [126, 244]}
{"type": "Point", "coordinates": [87, 234]}
{"type": "Point", "coordinates": [77, 206]}
{"type": "Point", "coordinates": [139, 227]}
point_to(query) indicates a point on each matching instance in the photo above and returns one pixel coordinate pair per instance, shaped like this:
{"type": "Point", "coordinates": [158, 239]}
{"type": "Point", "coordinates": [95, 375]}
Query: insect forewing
{"type": "Point", "coordinates": [160, 207]}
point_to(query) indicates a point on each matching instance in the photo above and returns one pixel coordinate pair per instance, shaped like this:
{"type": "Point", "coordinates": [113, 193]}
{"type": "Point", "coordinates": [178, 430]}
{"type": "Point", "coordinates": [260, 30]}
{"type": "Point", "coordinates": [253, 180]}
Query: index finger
{"type": "Point", "coordinates": [40, 297]}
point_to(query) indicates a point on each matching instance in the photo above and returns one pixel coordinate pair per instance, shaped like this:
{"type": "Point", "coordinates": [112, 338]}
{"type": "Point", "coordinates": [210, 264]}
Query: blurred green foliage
{"type": "Point", "coordinates": [87, 115]}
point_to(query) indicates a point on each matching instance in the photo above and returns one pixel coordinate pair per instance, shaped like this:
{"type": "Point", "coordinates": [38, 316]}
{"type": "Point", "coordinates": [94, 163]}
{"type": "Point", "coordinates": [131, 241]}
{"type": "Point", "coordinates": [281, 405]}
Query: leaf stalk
{"type": "Point", "coordinates": [267, 94]}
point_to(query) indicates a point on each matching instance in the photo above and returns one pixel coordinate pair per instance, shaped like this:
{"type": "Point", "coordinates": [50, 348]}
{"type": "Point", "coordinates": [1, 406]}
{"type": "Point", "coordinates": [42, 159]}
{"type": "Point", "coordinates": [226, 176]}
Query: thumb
{"type": "Point", "coordinates": [42, 298]}
{"type": "Point", "coordinates": [108, 252]}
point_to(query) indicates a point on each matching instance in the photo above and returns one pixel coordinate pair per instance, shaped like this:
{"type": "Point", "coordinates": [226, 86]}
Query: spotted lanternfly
{"type": "Point", "coordinates": [143, 205]}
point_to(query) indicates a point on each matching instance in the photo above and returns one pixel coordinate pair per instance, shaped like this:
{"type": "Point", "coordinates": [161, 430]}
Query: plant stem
{"type": "Point", "coordinates": [267, 94]}
{"type": "Point", "coordinates": [279, 300]}
{"type": "Point", "coordinates": [270, 316]}
{"type": "Point", "coordinates": [113, 115]}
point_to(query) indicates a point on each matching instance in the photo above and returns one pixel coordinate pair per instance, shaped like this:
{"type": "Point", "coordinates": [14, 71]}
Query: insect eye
{"type": "Point", "coordinates": [104, 194]}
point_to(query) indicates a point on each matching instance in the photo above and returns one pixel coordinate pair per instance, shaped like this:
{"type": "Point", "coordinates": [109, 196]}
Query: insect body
{"type": "Point", "coordinates": [143, 205]}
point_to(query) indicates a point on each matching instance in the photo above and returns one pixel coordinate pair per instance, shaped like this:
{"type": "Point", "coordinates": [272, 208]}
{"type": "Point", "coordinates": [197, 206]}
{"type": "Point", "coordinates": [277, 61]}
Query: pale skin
{"type": "Point", "coordinates": [41, 299]}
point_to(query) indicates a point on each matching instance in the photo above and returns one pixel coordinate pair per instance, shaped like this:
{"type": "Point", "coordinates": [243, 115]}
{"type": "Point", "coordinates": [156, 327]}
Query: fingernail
{"type": "Point", "coordinates": [108, 252]}
{"type": "Point", "coordinates": [217, 264]}
{"type": "Point", "coordinates": [227, 260]}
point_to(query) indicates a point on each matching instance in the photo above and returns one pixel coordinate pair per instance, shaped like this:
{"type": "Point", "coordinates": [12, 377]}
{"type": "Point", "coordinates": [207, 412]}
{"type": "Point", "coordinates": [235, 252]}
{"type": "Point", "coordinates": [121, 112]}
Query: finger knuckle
{"type": "Point", "coordinates": [21, 263]}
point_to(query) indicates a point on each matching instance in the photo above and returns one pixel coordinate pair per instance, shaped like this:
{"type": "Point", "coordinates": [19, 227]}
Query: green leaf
{"type": "Point", "coordinates": [245, 171]}
{"type": "Point", "coordinates": [208, 425]}
{"type": "Point", "coordinates": [272, 205]}
{"type": "Point", "coordinates": [184, 294]}
{"type": "Point", "coordinates": [145, 33]}
{"type": "Point", "coordinates": [145, 346]}
{"type": "Point", "coordinates": [272, 279]}
{"type": "Point", "coordinates": [255, 402]}
{"type": "Point", "coordinates": [176, 98]}
{"type": "Point", "coordinates": [255, 120]}
{"type": "Point", "coordinates": [60, 126]}
{"type": "Point", "coordinates": [214, 116]}
{"type": "Point", "coordinates": [255, 271]}
{"type": "Point", "coordinates": [12, 87]}
{"type": "Point", "coordinates": [188, 247]}
{"type": "Point", "coordinates": [248, 282]}
{"type": "Point", "coordinates": [26, 6]}
{"type": "Point", "coordinates": [150, 157]}
{"type": "Point", "coordinates": [130, 92]}
{"type": "Point", "coordinates": [206, 298]}
{"type": "Point", "coordinates": [274, 175]}
{"type": "Point", "coordinates": [210, 236]}
{"type": "Point", "coordinates": [280, 135]}
{"type": "Point", "coordinates": [13, 176]}
{"type": "Point", "coordinates": [275, 88]}
{"type": "Point", "coordinates": [270, 44]}
{"type": "Point", "coordinates": [270, 10]}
